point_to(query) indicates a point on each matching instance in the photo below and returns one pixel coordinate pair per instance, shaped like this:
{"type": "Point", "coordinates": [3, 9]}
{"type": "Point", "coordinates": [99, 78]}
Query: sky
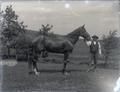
{"type": "Point", "coordinates": [99, 17]}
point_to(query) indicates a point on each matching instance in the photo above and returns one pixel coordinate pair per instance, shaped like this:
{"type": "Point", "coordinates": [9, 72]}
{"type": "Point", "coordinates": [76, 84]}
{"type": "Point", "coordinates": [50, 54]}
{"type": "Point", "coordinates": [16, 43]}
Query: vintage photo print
{"type": "Point", "coordinates": [59, 45]}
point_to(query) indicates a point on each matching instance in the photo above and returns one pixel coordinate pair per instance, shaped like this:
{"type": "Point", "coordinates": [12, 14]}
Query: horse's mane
{"type": "Point", "coordinates": [73, 33]}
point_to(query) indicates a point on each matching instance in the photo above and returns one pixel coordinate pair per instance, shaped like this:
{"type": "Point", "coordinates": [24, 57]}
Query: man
{"type": "Point", "coordinates": [95, 49]}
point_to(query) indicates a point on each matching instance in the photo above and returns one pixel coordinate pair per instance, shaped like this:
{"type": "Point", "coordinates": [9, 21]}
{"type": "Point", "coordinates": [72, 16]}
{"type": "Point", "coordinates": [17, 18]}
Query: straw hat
{"type": "Point", "coordinates": [95, 37]}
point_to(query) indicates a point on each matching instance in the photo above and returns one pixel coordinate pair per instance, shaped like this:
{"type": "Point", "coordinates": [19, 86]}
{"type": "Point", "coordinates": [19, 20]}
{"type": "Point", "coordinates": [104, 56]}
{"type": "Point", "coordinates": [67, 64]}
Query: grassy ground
{"type": "Point", "coordinates": [103, 79]}
{"type": "Point", "coordinates": [17, 79]}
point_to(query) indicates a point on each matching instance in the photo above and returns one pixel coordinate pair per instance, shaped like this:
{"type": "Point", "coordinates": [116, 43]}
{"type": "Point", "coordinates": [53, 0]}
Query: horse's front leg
{"type": "Point", "coordinates": [66, 60]}
{"type": "Point", "coordinates": [30, 66]}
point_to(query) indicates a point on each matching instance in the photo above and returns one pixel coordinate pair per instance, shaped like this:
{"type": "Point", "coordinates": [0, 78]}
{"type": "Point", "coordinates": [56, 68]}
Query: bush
{"type": "Point", "coordinates": [110, 42]}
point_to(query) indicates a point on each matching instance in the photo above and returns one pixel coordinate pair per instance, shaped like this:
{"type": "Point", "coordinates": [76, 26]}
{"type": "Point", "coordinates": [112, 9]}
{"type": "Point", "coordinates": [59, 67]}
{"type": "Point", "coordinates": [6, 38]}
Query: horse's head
{"type": "Point", "coordinates": [84, 33]}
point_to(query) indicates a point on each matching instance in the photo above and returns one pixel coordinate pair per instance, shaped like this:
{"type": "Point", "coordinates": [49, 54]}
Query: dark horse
{"type": "Point", "coordinates": [61, 44]}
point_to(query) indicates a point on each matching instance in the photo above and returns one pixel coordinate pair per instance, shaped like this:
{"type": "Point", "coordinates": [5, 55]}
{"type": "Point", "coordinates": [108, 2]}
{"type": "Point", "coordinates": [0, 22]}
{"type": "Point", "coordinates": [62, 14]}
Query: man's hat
{"type": "Point", "coordinates": [95, 37]}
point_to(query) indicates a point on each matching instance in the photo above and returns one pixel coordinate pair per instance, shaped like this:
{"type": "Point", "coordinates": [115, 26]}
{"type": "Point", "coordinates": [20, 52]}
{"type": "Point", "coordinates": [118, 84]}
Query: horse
{"type": "Point", "coordinates": [61, 44]}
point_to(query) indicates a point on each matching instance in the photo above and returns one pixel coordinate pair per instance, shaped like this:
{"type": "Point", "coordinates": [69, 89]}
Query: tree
{"type": "Point", "coordinates": [11, 28]}
{"type": "Point", "coordinates": [110, 42]}
{"type": "Point", "coordinates": [45, 32]}
{"type": "Point", "coordinates": [45, 29]}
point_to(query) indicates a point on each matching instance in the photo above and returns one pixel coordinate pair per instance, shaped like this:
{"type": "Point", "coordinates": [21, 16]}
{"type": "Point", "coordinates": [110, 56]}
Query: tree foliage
{"type": "Point", "coordinates": [11, 27]}
{"type": "Point", "coordinates": [110, 42]}
{"type": "Point", "coordinates": [45, 29]}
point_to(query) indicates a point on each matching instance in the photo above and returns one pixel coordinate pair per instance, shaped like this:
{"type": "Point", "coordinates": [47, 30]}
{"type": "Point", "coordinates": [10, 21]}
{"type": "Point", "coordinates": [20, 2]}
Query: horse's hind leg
{"type": "Point", "coordinates": [30, 66]}
{"type": "Point", "coordinates": [66, 56]}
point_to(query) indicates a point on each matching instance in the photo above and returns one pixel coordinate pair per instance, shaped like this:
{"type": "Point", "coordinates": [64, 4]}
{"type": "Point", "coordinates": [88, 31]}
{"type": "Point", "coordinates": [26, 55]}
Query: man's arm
{"type": "Point", "coordinates": [99, 48]}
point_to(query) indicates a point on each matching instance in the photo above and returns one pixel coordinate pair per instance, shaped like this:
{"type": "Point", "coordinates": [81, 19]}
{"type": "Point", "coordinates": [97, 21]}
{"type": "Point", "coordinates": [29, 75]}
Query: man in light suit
{"type": "Point", "coordinates": [95, 49]}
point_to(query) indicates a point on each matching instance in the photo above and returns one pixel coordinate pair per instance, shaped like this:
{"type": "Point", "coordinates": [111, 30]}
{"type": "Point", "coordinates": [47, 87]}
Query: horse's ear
{"type": "Point", "coordinates": [43, 26]}
{"type": "Point", "coordinates": [83, 26]}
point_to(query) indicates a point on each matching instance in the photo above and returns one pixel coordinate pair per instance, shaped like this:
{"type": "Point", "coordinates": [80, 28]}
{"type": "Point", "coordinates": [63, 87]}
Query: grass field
{"type": "Point", "coordinates": [16, 79]}
{"type": "Point", "coordinates": [103, 79]}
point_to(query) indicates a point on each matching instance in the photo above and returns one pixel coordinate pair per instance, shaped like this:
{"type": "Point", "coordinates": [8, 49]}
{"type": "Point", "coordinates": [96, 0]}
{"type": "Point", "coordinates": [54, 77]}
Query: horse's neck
{"type": "Point", "coordinates": [73, 40]}
{"type": "Point", "coordinates": [73, 36]}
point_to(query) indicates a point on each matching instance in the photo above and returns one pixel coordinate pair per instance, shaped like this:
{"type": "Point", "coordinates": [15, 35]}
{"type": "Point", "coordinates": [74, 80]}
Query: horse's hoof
{"type": "Point", "coordinates": [91, 64]}
{"type": "Point", "coordinates": [36, 73]}
{"type": "Point", "coordinates": [88, 70]}
{"type": "Point", "coordinates": [65, 73]}
{"type": "Point", "coordinates": [30, 72]}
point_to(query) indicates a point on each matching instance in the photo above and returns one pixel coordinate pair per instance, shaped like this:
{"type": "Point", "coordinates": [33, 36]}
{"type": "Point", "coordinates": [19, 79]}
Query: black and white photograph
{"type": "Point", "coordinates": [59, 45]}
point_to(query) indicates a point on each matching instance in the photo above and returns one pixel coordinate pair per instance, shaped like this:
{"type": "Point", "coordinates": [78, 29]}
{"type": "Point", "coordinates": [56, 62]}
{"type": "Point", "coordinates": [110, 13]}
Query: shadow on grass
{"type": "Point", "coordinates": [59, 71]}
